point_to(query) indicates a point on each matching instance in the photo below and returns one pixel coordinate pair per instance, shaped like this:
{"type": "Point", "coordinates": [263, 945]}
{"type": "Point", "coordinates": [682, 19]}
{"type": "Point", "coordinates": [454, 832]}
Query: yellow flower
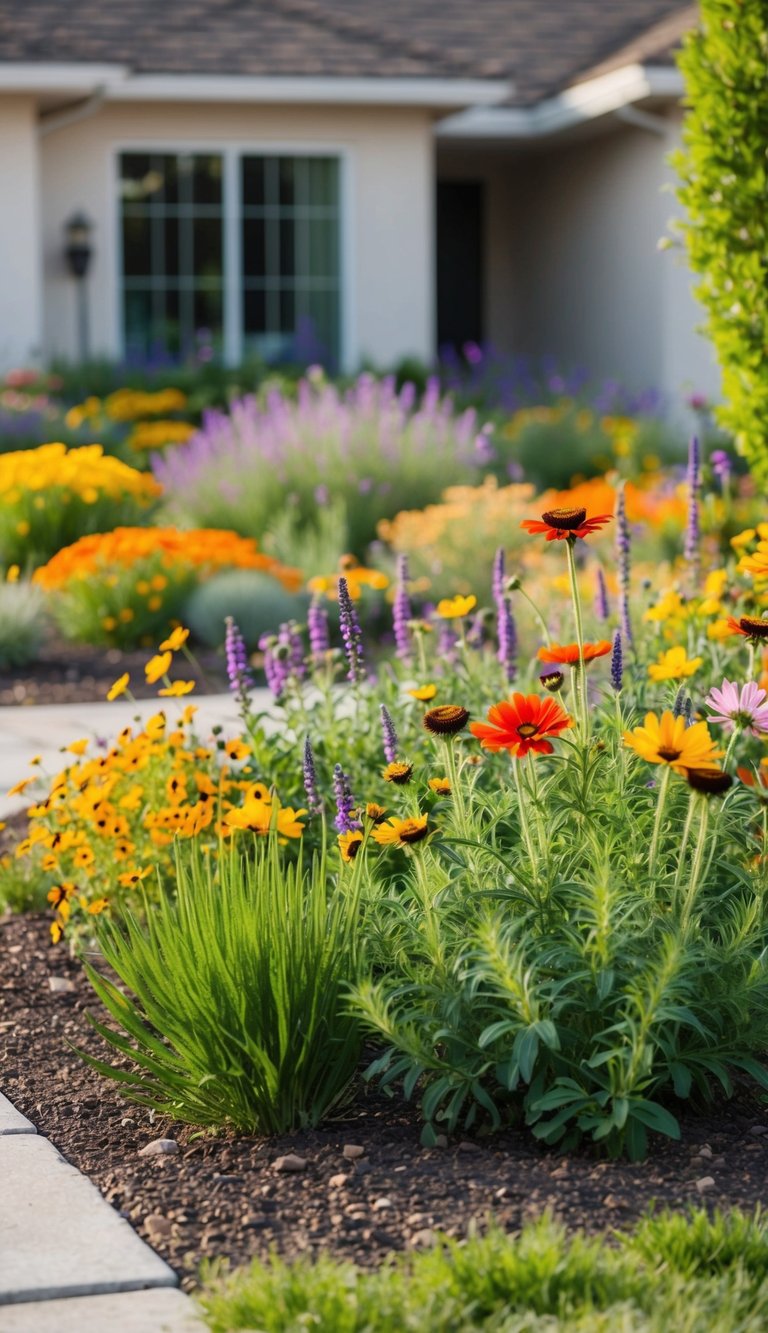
{"type": "Point", "coordinates": [20, 787]}
{"type": "Point", "coordinates": [97, 906]}
{"type": "Point", "coordinates": [742, 538]}
{"type": "Point", "coordinates": [350, 844]}
{"type": "Point", "coordinates": [424, 693]}
{"type": "Point", "coordinates": [667, 740]}
{"type": "Point", "coordinates": [119, 687]}
{"type": "Point", "coordinates": [719, 629]}
{"type": "Point", "coordinates": [757, 563]}
{"type": "Point", "coordinates": [157, 666]}
{"type": "Point", "coordinates": [155, 726]}
{"type": "Point", "coordinates": [154, 603]}
{"type": "Point", "coordinates": [398, 773]}
{"type": "Point", "coordinates": [453, 608]}
{"type": "Point", "coordinates": [177, 689]}
{"type": "Point", "coordinates": [256, 816]}
{"type": "Point", "coordinates": [130, 878]}
{"type": "Point", "coordinates": [22, 528]}
{"type": "Point", "coordinates": [12, 575]}
{"type": "Point", "coordinates": [441, 786]}
{"type": "Point", "coordinates": [401, 832]}
{"type": "Point", "coordinates": [237, 749]}
{"type": "Point", "coordinates": [674, 665]}
{"type": "Point", "coordinates": [175, 640]}
{"type": "Point", "coordinates": [78, 747]}
{"type": "Point", "coordinates": [669, 607]}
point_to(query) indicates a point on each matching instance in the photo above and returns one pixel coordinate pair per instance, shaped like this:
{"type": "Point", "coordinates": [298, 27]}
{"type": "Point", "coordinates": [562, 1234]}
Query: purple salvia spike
{"type": "Point", "coordinates": [507, 636]}
{"type": "Point", "coordinates": [389, 735]}
{"type": "Point", "coordinates": [623, 561]}
{"type": "Point", "coordinates": [602, 610]}
{"type": "Point", "coordinates": [401, 610]}
{"type": "Point", "coordinates": [345, 805]}
{"type": "Point", "coordinates": [351, 633]}
{"type": "Point", "coordinates": [314, 802]}
{"type": "Point", "coordinates": [617, 662]}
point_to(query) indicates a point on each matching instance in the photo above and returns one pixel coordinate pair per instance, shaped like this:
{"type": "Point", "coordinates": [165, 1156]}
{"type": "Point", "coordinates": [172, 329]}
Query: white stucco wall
{"type": "Point", "coordinates": [598, 291]}
{"type": "Point", "coordinates": [20, 275]}
{"type": "Point", "coordinates": [388, 238]}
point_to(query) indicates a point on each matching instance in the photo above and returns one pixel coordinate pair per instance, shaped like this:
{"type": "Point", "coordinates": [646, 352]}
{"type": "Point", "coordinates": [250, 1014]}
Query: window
{"type": "Point", "coordinates": [269, 283]}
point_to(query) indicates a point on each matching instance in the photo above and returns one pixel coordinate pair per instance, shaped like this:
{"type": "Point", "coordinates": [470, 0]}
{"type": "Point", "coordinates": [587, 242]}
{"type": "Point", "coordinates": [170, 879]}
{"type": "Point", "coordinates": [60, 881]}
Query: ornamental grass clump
{"type": "Point", "coordinates": [238, 1015]}
{"type": "Point", "coordinates": [370, 448]}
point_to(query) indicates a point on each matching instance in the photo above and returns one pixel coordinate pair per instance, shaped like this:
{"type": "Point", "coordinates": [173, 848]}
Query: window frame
{"type": "Point", "coordinates": [232, 153]}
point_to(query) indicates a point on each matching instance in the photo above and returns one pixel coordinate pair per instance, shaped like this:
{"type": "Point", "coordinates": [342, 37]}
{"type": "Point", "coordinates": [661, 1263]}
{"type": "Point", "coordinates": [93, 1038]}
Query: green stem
{"type": "Point", "coordinates": [524, 826]}
{"type": "Point", "coordinates": [582, 668]}
{"type": "Point", "coordinates": [537, 613]}
{"type": "Point", "coordinates": [457, 791]}
{"type": "Point", "coordinates": [731, 744]}
{"type": "Point", "coordinates": [698, 861]}
{"type": "Point", "coordinates": [661, 802]}
{"type": "Point", "coordinates": [684, 840]}
{"type": "Point", "coordinates": [533, 782]}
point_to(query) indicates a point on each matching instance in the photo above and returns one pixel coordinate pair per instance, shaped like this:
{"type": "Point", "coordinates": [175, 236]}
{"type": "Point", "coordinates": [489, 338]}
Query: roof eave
{"type": "Point", "coordinates": [577, 105]}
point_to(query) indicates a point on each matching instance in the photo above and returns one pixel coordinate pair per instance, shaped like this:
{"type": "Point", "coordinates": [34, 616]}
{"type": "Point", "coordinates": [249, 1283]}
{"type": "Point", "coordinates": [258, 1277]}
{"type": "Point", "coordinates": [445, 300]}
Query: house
{"type": "Point", "coordinates": [383, 178]}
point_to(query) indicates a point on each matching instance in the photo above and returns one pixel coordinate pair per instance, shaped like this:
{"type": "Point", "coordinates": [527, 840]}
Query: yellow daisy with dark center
{"type": "Point", "coordinates": [446, 720]}
{"type": "Point", "coordinates": [401, 832]}
{"type": "Point", "coordinates": [350, 844]}
{"type": "Point", "coordinates": [440, 786]}
{"type": "Point", "coordinates": [552, 681]}
{"type": "Point", "coordinates": [375, 812]}
{"type": "Point", "coordinates": [398, 773]}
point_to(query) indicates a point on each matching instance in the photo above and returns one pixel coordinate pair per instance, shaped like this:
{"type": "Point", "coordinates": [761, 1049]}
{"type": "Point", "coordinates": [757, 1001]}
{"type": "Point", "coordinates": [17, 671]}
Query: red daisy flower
{"type": "Point", "coordinates": [565, 524]}
{"type": "Point", "coordinates": [567, 654]}
{"type": "Point", "coordinates": [521, 723]}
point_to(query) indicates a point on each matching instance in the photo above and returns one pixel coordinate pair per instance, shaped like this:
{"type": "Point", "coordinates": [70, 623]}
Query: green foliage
{"type": "Point", "coordinates": [257, 602]}
{"type": "Point", "coordinates": [22, 624]}
{"type": "Point", "coordinates": [687, 1273]}
{"type": "Point", "coordinates": [724, 188]}
{"type": "Point", "coordinates": [238, 1017]}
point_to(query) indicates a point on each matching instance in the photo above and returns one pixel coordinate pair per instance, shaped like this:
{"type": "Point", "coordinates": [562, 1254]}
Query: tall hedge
{"type": "Point", "coordinates": [723, 170]}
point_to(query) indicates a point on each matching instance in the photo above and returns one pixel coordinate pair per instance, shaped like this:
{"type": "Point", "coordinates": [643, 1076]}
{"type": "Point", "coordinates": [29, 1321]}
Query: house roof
{"type": "Point", "coordinates": [540, 46]}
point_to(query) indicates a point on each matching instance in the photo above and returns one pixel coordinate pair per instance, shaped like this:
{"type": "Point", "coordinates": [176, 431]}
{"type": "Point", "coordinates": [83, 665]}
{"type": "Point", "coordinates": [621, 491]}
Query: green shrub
{"type": "Point", "coordinates": [724, 188]}
{"type": "Point", "coordinates": [22, 624]}
{"type": "Point", "coordinates": [687, 1273]}
{"type": "Point", "coordinates": [256, 601]}
{"type": "Point", "coordinates": [239, 981]}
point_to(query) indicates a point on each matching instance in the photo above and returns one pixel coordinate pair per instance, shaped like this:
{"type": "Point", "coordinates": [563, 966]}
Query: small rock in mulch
{"type": "Point", "coordinates": [289, 1162]}
{"type": "Point", "coordinates": [421, 1240]}
{"type": "Point", "coordinates": [61, 986]}
{"type": "Point", "coordinates": [157, 1226]}
{"type": "Point", "coordinates": [352, 1151]}
{"type": "Point", "coordinates": [159, 1148]}
{"type": "Point", "coordinates": [705, 1183]}
{"type": "Point", "coordinates": [338, 1181]}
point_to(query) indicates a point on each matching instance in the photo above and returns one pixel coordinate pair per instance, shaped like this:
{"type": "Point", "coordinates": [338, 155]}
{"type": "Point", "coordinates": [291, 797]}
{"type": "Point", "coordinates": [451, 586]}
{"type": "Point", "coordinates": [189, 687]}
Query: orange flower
{"type": "Point", "coordinates": [752, 627]}
{"type": "Point", "coordinates": [520, 724]}
{"type": "Point", "coordinates": [567, 654]}
{"type": "Point", "coordinates": [565, 524]}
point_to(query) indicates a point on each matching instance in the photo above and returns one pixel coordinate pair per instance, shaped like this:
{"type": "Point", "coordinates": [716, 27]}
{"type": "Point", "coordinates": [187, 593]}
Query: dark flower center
{"type": "Point", "coordinates": [712, 781]}
{"type": "Point", "coordinates": [410, 831]}
{"type": "Point", "coordinates": [565, 520]}
{"type": "Point", "coordinates": [669, 755]}
{"type": "Point", "coordinates": [754, 627]}
{"type": "Point", "coordinates": [446, 720]}
{"type": "Point", "coordinates": [526, 730]}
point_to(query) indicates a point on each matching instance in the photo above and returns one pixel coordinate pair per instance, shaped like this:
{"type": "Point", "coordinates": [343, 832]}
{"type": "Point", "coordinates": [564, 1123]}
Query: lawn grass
{"type": "Point", "coordinates": [672, 1273]}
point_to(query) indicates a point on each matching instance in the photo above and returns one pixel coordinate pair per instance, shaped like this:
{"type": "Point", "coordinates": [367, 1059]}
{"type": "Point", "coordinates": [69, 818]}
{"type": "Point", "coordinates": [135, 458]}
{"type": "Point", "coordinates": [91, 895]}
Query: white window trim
{"type": "Point", "coordinates": [232, 288]}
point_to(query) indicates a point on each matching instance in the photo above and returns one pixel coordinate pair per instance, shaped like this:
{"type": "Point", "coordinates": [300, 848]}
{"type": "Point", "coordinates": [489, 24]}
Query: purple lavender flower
{"type": "Point", "coordinates": [499, 574]}
{"type": "Point", "coordinates": [317, 625]}
{"type": "Point", "coordinates": [401, 610]}
{"type": "Point", "coordinates": [720, 463]}
{"type": "Point", "coordinates": [238, 670]}
{"type": "Point", "coordinates": [290, 638]}
{"type": "Point", "coordinates": [351, 633]}
{"type": "Point", "coordinates": [314, 802]}
{"type": "Point", "coordinates": [617, 662]}
{"type": "Point", "coordinates": [601, 596]}
{"type": "Point", "coordinates": [623, 561]}
{"type": "Point", "coordinates": [506, 630]}
{"type": "Point", "coordinates": [446, 642]}
{"type": "Point", "coordinates": [345, 805]}
{"type": "Point", "coordinates": [692, 531]}
{"type": "Point", "coordinates": [277, 666]}
{"type": "Point", "coordinates": [389, 735]}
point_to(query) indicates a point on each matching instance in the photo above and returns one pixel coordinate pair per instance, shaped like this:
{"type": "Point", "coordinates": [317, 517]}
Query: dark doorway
{"type": "Point", "coordinates": [460, 210]}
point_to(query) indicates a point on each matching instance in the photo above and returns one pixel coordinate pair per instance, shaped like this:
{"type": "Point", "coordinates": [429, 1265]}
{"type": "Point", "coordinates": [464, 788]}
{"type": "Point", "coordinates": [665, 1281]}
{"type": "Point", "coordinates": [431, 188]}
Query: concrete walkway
{"type": "Point", "coordinates": [68, 1262]}
{"type": "Point", "coordinates": [47, 729]}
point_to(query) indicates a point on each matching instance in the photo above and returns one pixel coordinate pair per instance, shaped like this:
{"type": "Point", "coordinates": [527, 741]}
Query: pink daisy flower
{"type": "Point", "coordinates": [742, 708]}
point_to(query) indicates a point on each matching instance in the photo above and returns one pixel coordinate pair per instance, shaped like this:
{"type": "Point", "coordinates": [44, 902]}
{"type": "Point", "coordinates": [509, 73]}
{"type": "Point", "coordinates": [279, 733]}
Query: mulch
{"type": "Point", "coordinates": [224, 1196]}
{"type": "Point", "coordinates": [69, 673]}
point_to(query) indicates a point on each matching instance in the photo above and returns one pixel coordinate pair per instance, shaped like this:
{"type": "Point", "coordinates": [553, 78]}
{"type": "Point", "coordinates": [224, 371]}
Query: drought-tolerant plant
{"type": "Point", "coordinates": [128, 586]}
{"type": "Point", "coordinates": [257, 601]}
{"type": "Point", "coordinates": [371, 447]}
{"type": "Point", "coordinates": [724, 185]}
{"type": "Point", "coordinates": [239, 1015]}
{"type": "Point", "coordinates": [686, 1272]}
{"type": "Point", "coordinates": [51, 496]}
{"type": "Point", "coordinates": [22, 624]}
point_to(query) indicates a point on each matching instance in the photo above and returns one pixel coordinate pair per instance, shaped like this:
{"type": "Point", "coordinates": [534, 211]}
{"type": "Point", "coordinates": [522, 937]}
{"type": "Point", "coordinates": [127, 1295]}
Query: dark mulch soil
{"type": "Point", "coordinates": [223, 1196]}
{"type": "Point", "coordinates": [68, 673]}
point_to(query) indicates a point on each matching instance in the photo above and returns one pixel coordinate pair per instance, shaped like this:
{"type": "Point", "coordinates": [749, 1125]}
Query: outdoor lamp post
{"type": "Point", "coordinates": [78, 252]}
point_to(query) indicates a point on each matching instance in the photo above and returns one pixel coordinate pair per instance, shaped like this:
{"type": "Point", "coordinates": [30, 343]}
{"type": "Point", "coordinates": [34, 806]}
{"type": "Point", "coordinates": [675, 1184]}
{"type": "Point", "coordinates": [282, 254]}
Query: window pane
{"type": "Point", "coordinates": [254, 248]}
{"type": "Point", "coordinates": [206, 180]}
{"type": "Point", "coordinates": [137, 254]}
{"type": "Point", "coordinates": [207, 310]}
{"type": "Point", "coordinates": [138, 321]}
{"type": "Point", "coordinates": [287, 248]}
{"type": "Point", "coordinates": [287, 312]}
{"type": "Point", "coordinates": [323, 314]}
{"type": "Point", "coordinates": [323, 181]}
{"type": "Point", "coordinates": [253, 182]}
{"type": "Point", "coordinates": [255, 312]}
{"type": "Point", "coordinates": [287, 186]}
{"type": "Point", "coordinates": [207, 262]}
{"type": "Point", "coordinates": [323, 248]}
{"type": "Point", "coordinates": [167, 249]}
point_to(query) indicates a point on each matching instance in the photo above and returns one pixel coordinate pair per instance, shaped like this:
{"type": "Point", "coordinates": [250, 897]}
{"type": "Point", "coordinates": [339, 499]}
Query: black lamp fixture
{"type": "Point", "coordinates": [78, 252]}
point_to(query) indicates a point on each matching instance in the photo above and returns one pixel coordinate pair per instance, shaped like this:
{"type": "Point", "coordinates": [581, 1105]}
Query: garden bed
{"type": "Point", "coordinates": [67, 673]}
{"type": "Point", "coordinates": [224, 1196]}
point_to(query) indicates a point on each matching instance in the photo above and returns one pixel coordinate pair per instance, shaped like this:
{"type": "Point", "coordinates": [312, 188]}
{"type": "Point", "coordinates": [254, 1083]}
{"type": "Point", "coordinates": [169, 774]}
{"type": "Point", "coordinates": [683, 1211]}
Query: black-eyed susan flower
{"type": "Point", "coordinates": [237, 749]}
{"type": "Point", "coordinates": [552, 681]}
{"type": "Point", "coordinates": [350, 844]}
{"type": "Point", "coordinates": [424, 693]}
{"type": "Point", "coordinates": [175, 640]}
{"type": "Point", "coordinates": [177, 689]}
{"type": "Point", "coordinates": [401, 832]}
{"type": "Point", "coordinates": [375, 812]}
{"type": "Point", "coordinates": [120, 686]}
{"type": "Point", "coordinates": [440, 786]}
{"type": "Point", "coordinates": [709, 781]}
{"type": "Point", "coordinates": [131, 878]}
{"type": "Point", "coordinates": [398, 773]}
{"type": "Point", "coordinates": [446, 719]}
{"type": "Point", "coordinates": [98, 906]}
{"type": "Point", "coordinates": [520, 724]}
{"type": "Point", "coordinates": [157, 667]}
{"type": "Point", "coordinates": [667, 740]}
